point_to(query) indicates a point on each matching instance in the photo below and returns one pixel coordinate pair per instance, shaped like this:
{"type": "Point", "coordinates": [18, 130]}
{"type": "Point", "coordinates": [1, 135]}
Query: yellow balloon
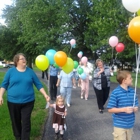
{"type": "Point", "coordinates": [68, 67]}
{"type": "Point", "coordinates": [138, 12]}
{"type": "Point", "coordinates": [42, 62]}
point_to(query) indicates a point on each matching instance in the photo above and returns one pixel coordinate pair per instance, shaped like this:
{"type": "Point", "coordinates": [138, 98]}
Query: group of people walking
{"type": "Point", "coordinates": [19, 81]}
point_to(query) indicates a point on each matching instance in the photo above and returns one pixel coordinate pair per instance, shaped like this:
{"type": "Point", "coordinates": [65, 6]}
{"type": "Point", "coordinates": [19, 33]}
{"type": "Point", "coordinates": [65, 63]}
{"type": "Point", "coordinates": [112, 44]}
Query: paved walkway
{"type": "Point", "coordinates": [84, 122]}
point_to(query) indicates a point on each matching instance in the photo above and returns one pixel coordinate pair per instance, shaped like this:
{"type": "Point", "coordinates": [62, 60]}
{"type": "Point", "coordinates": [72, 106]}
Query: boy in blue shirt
{"type": "Point", "coordinates": [123, 104]}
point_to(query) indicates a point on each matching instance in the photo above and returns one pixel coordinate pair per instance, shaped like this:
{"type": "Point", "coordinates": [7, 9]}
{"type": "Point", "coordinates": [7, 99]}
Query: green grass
{"type": "Point", "coordinates": [113, 79]}
{"type": "Point", "coordinates": [39, 116]}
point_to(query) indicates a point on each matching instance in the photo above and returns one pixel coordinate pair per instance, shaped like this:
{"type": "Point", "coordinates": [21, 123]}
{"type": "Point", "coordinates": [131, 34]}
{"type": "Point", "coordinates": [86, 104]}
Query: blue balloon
{"type": "Point", "coordinates": [50, 55]}
{"type": "Point", "coordinates": [83, 76]}
{"type": "Point", "coordinates": [73, 46]}
{"type": "Point", "coordinates": [81, 52]}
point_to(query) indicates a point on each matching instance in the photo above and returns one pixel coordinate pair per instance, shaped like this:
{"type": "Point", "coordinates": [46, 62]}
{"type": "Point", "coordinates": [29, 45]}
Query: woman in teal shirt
{"type": "Point", "coordinates": [19, 82]}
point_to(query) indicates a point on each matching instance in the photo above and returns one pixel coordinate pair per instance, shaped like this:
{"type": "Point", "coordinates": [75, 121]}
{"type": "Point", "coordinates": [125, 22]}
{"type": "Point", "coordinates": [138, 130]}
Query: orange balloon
{"type": "Point", "coordinates": [134, 29]}
{"type": "Point", "coordinates": [60, 58]}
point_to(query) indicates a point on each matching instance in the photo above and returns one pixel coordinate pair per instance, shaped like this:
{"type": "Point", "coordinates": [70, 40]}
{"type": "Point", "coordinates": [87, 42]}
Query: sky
{"type": "Point", "coordinates": [2, 5]}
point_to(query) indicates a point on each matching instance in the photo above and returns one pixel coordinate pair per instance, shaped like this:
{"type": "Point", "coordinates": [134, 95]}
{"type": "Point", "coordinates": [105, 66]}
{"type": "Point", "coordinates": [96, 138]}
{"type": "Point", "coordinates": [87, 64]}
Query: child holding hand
{"type": "Point", "coordinates": [59, 114]}
{"type": "Point", "coordinates": [123, 104]}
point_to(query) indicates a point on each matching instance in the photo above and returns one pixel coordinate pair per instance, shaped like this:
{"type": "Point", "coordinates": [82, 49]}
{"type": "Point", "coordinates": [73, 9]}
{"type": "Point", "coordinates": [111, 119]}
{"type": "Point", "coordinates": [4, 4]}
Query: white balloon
{"type": "Point", "coordinates": [131, 5]}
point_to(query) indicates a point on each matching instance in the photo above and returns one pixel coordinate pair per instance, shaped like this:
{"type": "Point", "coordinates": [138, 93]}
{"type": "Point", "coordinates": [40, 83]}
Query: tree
{"type": "Point", "coordinates": [109, 18]}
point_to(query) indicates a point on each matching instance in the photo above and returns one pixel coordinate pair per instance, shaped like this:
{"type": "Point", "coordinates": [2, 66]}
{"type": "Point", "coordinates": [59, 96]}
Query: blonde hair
{"type": "Point", "coordinates": [121, 75]}
{"type": "Point", "coordinates": [98, 60]}
{"type": "Point", "coordinates": [58, 98]}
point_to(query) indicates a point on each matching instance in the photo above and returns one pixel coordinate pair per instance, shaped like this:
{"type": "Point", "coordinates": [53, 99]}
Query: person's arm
{"type": "Point", "coordinates": [119, 110]}
{"type": "Point", "coordinates": [2, 90]}
{"type": "Point", "coordinates": [45, 94]}
{"type": "Point", "coordinates": [74, 82]}
{"type": "Point", "coordinates": [58, 82]}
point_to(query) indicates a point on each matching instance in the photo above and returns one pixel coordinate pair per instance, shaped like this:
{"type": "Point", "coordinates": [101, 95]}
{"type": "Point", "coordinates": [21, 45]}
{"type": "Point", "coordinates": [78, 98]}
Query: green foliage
{"type": "Point", "coordinates": [33, 27]}
{"type": "Point", "coordinates": [109, 18]}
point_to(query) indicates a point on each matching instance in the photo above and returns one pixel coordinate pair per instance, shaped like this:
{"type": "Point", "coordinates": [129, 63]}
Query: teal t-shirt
{"type": "Point", "coordinates": [19, 85]}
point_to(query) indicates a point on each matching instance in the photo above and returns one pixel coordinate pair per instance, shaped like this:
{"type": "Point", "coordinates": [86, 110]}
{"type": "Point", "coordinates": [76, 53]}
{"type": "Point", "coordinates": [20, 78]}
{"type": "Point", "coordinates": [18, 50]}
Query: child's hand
{"type": "Point", "coordinates": [128, 109]}
{"type": "Point", "coordinates": [135, 109]}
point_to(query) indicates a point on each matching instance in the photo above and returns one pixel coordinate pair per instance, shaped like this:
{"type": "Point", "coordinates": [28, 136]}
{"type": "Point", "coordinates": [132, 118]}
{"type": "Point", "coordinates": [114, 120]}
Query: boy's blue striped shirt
{"type": "Point", "coordinates": [120, 98]}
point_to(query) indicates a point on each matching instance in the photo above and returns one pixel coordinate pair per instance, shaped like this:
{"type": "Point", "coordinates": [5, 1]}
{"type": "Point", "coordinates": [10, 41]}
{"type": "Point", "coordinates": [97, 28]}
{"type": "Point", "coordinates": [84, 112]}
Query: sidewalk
{"type": "Point", "coordinates": [84, 122]}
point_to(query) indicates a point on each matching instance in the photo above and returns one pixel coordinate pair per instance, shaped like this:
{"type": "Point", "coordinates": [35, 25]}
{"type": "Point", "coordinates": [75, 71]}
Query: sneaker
{"type": "Point", "coordinates": [68, 105]}
{"type": "Point", "coordinates": [81, 97]}
{"type": "Point", "coordinates": [86, 99]}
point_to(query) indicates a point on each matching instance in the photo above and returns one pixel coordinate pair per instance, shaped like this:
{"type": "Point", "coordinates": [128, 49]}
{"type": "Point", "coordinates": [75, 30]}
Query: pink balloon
{"type": "Point", "coordinates": [72, 41]}
{"type": "Point", "coordinates": [84, 59]}
{"type": "Point", "coordinates": [113, 41]}
{"type": "Point", "coordinates": [120, 47]}
{"type": "Point", "coordinates": [79, 55]}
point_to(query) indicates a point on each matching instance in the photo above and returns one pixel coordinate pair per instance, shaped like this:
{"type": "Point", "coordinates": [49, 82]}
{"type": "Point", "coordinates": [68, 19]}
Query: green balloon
{"type": "Point", "coordinates": [55, 65]}
{"type": "Point", "coordinates": [80, 70]}
{"type": "Point", "coordinates": [75, 64]}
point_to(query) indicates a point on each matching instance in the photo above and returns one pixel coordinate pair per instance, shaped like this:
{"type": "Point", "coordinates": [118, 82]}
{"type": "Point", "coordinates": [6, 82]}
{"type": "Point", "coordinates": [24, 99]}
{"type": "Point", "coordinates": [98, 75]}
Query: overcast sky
{"type": "Point", "coordinates": [2, 5]}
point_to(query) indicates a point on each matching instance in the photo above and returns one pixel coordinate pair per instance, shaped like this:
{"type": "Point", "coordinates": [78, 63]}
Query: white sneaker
{"type": "Point", "coordinates": [81, 97]}
{"type": "Point", "coordinates": [68, 105]}
{"type": "Point", "coordinates": [86, 99]}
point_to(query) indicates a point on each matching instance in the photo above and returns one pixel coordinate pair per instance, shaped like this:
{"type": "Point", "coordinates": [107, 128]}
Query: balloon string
{"type": "Point", "coordinates": [137, 62]}
{"type": "Point", "coordinates": [136, 52]}
{"type": "Point", "coordinates": [70, 50]}
{"type": "Point", "coordinates": [115, 59]}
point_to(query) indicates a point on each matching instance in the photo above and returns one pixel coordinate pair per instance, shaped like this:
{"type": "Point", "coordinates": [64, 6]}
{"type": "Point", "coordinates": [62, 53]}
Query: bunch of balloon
{"type": "Point", "coordinates": [42, 62]}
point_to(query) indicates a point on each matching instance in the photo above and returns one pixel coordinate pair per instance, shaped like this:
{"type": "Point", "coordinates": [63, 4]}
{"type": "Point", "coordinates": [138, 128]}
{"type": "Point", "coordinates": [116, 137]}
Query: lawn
{"type": "Point", "coordinates": [113, 79]}
{"type": "Point", "coordinates": [39, 116]}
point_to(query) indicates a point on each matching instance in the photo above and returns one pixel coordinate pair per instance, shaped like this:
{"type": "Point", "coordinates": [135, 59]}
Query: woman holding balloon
{"type": "Point", "coordinates": [101, 83]}
{"type": "Point", "coordinates": [85, 78]}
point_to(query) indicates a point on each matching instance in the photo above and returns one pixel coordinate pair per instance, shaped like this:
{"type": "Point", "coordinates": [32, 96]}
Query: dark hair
{"type": "Point", "coordinates": [121, 75]}
{"type": "Point", "coordinates": [16, 58]}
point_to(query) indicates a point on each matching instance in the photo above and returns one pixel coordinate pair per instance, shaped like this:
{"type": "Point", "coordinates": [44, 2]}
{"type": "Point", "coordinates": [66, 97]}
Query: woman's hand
{"type": "Point", "coordinates": [1, 100]}
{"type": "Point", "coordinates": [101, 70]}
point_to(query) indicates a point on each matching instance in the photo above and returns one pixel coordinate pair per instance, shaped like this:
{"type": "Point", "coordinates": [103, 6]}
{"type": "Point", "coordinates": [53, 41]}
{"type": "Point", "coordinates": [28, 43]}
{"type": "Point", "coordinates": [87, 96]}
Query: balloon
{"type": "Point", "coordinates": [83, 76]}
{"type": "Point", "coordinates": [68, 67]}
{"type": "Point", "coordinates": [50, 55]}
{"type": "Point", "coordinates": [60, 58]}
{"type": "Point", "coordinates": [131, 5]}
{"type": "Point", "coordinates": [42, 62]}
{"type": "Point", "coordinates": [55, 65]}
{"type": "Point", "coordinates": [80, 70]}
{"type": "Point", "coordinates": [75, 64]}
{"type": "Point", "coordinates": [72, 42]}
{"type": "Point", "coordinates": [134, 29]}
{"type": "Point", "coordinates": [73, 46]}
{"type": "Point", "coordinates": [79, 55]}
{"type": "Point", "coordinates": [113, 41]}
{"type": "Point", "coordinates": [120, 47]}
{"type": "Point", "coordinates": [84, 59]}
{"type": "Point", "coordinates": [81, 52]}
{"type": "Point", "coordinates": [138, 12]}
